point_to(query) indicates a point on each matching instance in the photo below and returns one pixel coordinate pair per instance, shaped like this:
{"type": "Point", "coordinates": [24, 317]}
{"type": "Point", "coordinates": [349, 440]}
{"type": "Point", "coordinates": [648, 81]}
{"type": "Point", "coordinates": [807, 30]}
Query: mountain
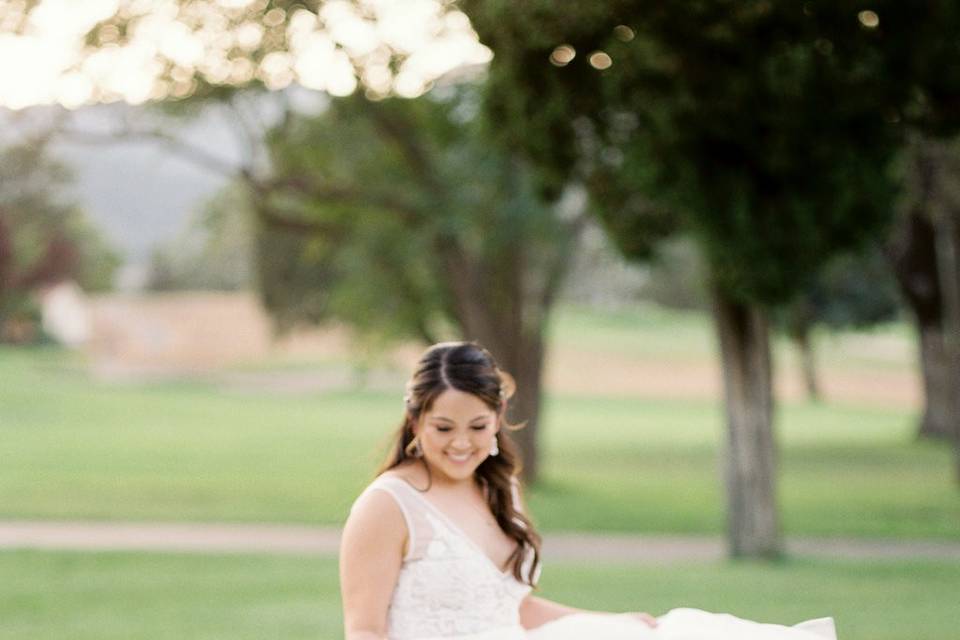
{"type": "Point", "coordinates": [139, 192]}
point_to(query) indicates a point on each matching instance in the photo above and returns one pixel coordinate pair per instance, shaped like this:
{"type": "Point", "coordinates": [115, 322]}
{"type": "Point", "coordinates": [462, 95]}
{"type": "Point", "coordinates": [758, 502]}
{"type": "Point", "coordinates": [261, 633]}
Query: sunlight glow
{"type": "Point", "coordinates": [170, 45]}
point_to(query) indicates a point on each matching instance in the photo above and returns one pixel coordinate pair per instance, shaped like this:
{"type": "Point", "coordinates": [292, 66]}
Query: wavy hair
{"type": "Point", "coordinates": [468, 367]}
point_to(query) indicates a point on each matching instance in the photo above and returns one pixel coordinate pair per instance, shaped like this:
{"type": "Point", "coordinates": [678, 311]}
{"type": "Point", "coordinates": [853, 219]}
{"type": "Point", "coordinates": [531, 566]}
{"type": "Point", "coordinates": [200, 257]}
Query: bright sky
{"type": "Point", "coordinates": [49, 63]}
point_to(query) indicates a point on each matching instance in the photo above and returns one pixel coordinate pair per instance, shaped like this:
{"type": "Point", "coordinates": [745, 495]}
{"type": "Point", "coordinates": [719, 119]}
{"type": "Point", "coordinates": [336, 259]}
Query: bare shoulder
{"type": "Point", "coordinates": [412, 473]}
{"type": "Point", "coordinates": [374, 506]}
{"type": "Point", "coordinates": [375, 522]}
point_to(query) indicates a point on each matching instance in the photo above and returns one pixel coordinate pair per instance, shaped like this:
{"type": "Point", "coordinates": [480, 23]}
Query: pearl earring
{"type": "Point", "coordinates": [494, 448]}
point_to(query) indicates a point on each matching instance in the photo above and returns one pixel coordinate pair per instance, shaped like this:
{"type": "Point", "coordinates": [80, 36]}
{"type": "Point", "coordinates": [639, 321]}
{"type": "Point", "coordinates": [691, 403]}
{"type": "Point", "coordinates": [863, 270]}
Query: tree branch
{"type": "Point", "coordinates": [344, 194]}
{"type": "Point", "coordinates": [275, 220]}
{"type": "Point", "coordinates": [190, 152]}
{"type": "Point", "coordinates": [245, 130]}
{"type": "Point", "coordinates": [408, 145]}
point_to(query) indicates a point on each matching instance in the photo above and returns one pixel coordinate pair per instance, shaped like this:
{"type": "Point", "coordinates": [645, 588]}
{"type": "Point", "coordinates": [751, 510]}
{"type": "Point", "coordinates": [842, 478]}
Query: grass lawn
{"type": "Point", "coordinates": [135, 596]}
{"type": "Point", "coordinates": [75, 448]}
{"type": "Point", "coordinates": [649, 330]}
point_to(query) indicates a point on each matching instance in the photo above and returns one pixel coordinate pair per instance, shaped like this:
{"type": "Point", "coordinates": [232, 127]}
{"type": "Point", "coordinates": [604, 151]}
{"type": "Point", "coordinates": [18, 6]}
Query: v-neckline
{"type": "Point", "coordinates": [455, 527]}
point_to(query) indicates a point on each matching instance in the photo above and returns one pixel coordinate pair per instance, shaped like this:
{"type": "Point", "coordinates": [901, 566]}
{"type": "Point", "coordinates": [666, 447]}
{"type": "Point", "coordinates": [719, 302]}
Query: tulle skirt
{"type": "Point", "coordinates": [677, 624]}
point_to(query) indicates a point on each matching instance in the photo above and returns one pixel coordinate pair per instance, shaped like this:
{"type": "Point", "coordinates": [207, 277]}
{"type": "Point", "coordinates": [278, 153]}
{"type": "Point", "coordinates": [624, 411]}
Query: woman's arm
{"type": "Point", "coordinates": [371, 553]}
{"type": "Point", "coordinates": [535, 611]}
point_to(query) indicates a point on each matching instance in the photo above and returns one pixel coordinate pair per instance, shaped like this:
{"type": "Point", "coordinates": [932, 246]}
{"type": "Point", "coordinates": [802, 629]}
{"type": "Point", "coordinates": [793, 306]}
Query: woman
{"type": "Point", "coordinates": [438, 546]}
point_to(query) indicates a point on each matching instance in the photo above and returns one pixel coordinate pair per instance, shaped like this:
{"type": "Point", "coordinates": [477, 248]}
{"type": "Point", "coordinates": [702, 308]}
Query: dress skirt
{"type": "Point", "coordinates": [677, 624]}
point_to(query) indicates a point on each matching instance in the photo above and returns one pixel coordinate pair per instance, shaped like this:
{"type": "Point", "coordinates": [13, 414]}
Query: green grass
{"type": "Point", "coordinates": [75, 448]}
{"type": "Point", "coordinates": [649, 331]}
{"type": "Point", "coordinates": [869, 601]}
{"type": "Point", "coordinates": [102, 596]}
{"type": "Point", "coordinates": [634, 465]}
{"type": "Point", "coordinates": [136, 596]}
{"type": "Point", "coordinates": [72, 447]}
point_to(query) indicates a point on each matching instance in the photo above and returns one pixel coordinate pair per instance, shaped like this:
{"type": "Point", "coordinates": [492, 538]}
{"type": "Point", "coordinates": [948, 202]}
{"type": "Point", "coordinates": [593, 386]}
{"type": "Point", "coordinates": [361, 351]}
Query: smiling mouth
{"type": "Point", "coordinates": [461, 457]}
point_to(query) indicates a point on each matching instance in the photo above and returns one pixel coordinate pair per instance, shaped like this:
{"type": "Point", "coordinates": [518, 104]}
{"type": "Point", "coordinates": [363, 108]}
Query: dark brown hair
{"type": "Point", "coordinates": [468, 367]}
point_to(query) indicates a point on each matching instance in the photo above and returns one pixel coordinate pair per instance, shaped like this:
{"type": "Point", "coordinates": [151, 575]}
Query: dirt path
{"type": "Point", "coordinates": [323, 541]}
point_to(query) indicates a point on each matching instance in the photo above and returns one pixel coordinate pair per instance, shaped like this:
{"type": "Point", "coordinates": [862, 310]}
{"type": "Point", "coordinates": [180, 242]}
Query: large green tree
{"type": "Point", "coordinates": [853, 290]}
{"type": "Point", "coordinates": [398, 217]}
{"type": "Point", "coordinates": [929, 170]}
{"type": "Point", "coordinates": [422, 229]}
{"type": "Point", "coordinates": [497, 265]}
{"type": "Point", "coordinates": [768, 128]}
{"type": "Point", "coordinates": [925, 248]}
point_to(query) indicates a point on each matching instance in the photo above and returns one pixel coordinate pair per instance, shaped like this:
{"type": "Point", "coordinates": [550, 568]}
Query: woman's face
{"type": "Point", "coordinates": [456, 434]}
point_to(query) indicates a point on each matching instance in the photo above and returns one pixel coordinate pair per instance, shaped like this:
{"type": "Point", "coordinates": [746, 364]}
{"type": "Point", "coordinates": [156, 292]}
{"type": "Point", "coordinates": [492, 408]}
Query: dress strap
{"type": "Point", "coordinates": [419, 530]}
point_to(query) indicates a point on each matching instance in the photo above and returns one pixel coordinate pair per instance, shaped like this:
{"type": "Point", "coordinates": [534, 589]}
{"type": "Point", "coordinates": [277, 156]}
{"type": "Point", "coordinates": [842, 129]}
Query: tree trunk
{"type": "Point", "coordinates": [515, 341]}
{"type": "Point", "coordinates": [527, 368]}
{"type": "Point", "coordinates": [503, 300]}
{"type": "Point", "coordinates": [938, 412]}
{"type": "Point", "coordinates": [912, 253]}
{"type": "Point", "coordinates": [521, 356]}
{"type": "Point", "coordinates": [948, 263]}
{"type": "Point", "coordinates": [753, 528]}
{"type": "Point", "coordinates": [808, 366]}
{"type": "Point", "coordinates": [800, 325]}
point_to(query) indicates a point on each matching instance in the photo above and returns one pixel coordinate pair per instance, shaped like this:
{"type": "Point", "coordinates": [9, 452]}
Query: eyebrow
{"type": "Point", "coordinates": [449, 420]}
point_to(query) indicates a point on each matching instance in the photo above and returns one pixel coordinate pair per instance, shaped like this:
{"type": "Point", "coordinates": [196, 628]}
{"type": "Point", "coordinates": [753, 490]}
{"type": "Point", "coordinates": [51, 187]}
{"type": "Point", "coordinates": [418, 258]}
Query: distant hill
{"type": "Point", "coordinates": [140, 193]}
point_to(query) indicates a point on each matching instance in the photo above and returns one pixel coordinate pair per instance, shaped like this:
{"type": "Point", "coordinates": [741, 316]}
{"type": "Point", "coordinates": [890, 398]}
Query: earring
{"type": "Point", "coordinates": [414, 449]}
{"type": "Point", "coordinates": [494, 448]}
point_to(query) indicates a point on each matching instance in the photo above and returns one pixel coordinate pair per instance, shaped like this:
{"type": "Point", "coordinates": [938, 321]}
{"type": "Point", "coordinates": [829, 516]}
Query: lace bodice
{"type": "Point", "coordinates": [447, 585]}
{"type": "Point", "coordinates": [449, 589]}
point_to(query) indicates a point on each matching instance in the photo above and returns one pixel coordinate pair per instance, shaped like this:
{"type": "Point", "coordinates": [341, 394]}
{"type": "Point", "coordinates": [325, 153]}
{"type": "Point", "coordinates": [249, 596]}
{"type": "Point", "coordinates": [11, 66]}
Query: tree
{"type": "Point", "coordinates": [930, 170]}
{"type": "Point", "coordinates": [214, 251]}
{"type": "Point", "coordinates": [931, 217]}
{"type": "Point", "coordinates": [44, 238]}
{"type": "Point", "coordinates": [421, 227]}
{"type": "Point", "coordinates": [756, 123]}
{"type": "Point", "coordinates": [158, 51]}
{"type": "Point", "coordinates": [397, 217]}
{"type": "Point", "coordinates": [853, 290]}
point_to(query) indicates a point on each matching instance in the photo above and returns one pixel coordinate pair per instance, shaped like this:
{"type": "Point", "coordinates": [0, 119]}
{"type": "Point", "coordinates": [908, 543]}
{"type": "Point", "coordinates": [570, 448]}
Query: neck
{"type": "Point", "coordinates": [437, 479]}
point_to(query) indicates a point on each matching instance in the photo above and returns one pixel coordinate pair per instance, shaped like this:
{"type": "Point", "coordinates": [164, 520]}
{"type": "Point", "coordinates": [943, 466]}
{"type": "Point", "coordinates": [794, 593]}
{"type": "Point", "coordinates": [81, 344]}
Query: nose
{"type": "Point", "coordinates": [461, 441]}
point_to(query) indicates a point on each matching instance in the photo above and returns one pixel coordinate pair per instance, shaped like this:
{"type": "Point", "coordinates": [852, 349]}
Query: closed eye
{"type": "Point", "coordinates": [441, 429]}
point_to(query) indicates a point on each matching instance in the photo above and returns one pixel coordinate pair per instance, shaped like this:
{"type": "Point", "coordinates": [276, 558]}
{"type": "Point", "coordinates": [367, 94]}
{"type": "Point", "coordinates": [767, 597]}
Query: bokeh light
{"type": "Point", "coordinates": [563, 55]}
{"type": "Point", "coordinates": [600, 60]}
{"type": "Point", "coordinates": [869, 19]}
{"type": "Point", "coordinates": [151, 50]}
{"type": "Point", "coordinates": [623, 33]}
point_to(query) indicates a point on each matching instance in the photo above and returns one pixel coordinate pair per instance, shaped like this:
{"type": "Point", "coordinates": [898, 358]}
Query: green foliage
{"type": "Point", "coordinates": [766, 127]}
{"type": "Point", "coordinates": [392, 187]}
{"type": "Point", "coordinates": [852, 290]}
{"type": "Point", "coordinates": [44, 237]}
{"type": "Point", "coordinates": [677, 277]}
{"type": "Point", "coordinates": [213, 252]}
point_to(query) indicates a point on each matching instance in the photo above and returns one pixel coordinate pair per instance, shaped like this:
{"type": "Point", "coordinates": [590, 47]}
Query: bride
{"type": "Point", "coordinates": [438, 546]}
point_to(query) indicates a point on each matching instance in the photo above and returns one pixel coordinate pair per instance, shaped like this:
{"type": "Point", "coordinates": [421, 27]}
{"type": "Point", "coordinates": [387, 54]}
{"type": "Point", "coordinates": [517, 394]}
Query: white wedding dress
{"type": "Point", "coordinates": [448, 588]}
